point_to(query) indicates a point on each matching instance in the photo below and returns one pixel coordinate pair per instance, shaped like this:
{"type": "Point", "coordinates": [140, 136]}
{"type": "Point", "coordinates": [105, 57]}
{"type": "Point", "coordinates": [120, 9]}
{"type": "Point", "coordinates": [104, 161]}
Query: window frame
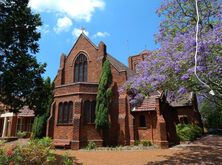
{"type": "Point", "coordinates": [65, 113]}
{"type": "Point", "coordinates": [142, 121]}
{"type": "Point", "coordinates": [80, 68]}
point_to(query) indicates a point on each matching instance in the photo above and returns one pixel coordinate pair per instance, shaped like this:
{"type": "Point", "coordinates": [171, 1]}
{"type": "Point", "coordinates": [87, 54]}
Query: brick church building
{"type": "Point", "coordinates": [72, 115]}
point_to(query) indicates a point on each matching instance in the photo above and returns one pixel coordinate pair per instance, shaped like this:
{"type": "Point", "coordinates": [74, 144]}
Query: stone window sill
{"type": "Point", "coordinates": [64, 124]}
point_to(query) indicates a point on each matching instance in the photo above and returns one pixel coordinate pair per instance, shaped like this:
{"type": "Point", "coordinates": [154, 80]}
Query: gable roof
{"type": "Point", "coordinates": [82, 35]}
{"type": "Point", "coordinates": [23, 112]}
{"type": "Point", "coordinates": [120, 66]}
{"type": "Point", "coordinates": [117, 64]}
{"type": "Point", "coordinates": [26, 112]}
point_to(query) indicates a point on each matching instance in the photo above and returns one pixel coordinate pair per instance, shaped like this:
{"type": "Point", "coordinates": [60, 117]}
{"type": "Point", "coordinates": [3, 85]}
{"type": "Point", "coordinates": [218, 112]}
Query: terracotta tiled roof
{"type": "Point", "coordinates": [120, 66]}
{"type": "Point", "coordinates": [26, 112]}
{"type": "Point", "coordinates": [149, 103]}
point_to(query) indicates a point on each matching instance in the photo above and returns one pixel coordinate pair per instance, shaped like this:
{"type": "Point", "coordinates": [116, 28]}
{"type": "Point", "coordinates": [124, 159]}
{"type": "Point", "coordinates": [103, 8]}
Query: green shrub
{"type": "Point", "coordinates": [146, 143]}
{"type": "Point", "coordinates": [38, 126]}
{"type": "Point", "coordinates": [34, 152]}
{"type": "Point", "coordinates": [66, 160]}
{"type": "Point", "coordinates": [91, 145]}
{"type": "Point", "coordinates": [21, 134]}
{"type": "Point", "coordinates": [46, 142]}
{"type": "Point", "coordinates": [2, 142]}
{"type": "Point", "coordinates": [136, 142]}
{"type": "Point", "coordinates": [188, 132]}
{"type": "Point", "coordinates": [3, 157]}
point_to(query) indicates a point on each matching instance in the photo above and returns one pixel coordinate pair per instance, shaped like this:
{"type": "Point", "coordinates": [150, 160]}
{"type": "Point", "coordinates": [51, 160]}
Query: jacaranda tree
{"type": "Point", "coordinates": [172, 66]}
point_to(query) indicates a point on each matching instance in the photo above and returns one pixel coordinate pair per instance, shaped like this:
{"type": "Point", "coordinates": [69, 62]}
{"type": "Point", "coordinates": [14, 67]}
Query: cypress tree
{"type": "Point", "coordinates": [103, 97]}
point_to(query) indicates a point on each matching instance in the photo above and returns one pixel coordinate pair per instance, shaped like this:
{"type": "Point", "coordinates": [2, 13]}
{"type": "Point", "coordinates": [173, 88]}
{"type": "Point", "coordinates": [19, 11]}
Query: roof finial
{"type": "Point", "coordinates": [82, 29]}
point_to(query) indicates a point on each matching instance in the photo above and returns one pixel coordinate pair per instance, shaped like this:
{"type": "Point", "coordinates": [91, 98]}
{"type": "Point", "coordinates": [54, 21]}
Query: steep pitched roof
{"type": "Point", "coordinates": [117, 64]}
{"type": "Point", "coordinates": [120, 66]}
{"type": "Point", "coordinates": [82, 35]}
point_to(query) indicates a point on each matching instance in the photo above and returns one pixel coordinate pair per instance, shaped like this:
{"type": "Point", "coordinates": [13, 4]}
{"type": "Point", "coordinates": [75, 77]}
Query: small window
{"type": "Point", "coordinates": [142, 121]}
{"type": "Point", "coordinates": [184, 120]}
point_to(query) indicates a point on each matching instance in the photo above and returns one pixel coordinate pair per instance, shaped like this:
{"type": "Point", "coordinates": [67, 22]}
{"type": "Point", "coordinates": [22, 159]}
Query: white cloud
{"type": "Point", "coordinates": [74, 9]}
{"type": "Point", "coordinates": [101, 34]}
{"type": "Point", "coordinates": [44, 29]}
{"type": "Point", "coordinates": [63, 24]}
{"type": "Point", "coordinates": [76, 32]}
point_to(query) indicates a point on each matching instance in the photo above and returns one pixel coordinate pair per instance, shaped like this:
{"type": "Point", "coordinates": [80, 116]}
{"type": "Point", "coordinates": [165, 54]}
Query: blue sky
{"type": "Point", "coordinates": [126, 27]}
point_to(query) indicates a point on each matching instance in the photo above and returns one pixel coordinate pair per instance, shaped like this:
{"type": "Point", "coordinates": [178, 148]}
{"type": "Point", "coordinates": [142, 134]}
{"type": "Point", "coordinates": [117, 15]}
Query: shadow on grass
{"type": "Point", "coordinates": [207, 150]}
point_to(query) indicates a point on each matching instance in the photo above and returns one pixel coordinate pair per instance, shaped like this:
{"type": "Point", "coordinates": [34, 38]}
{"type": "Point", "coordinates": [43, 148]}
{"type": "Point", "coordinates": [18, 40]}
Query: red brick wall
{"type": "Point", "coordinates": [148, 132]}
{"type": "Point", "coordinates": [134, 60]}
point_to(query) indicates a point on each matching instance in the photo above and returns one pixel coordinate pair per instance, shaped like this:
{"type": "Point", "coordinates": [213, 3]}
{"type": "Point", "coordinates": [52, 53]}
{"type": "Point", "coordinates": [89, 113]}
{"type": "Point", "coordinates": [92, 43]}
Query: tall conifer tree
{"type": "Point", "coordinates": [103, 97]}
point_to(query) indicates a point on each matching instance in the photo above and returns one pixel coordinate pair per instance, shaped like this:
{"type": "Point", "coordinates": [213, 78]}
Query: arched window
{"type": "Point", "coordinates": [80, 69]}
{"type": "Point", "coordinates": [142, 121]}
{"type": "Point", "coordinates": [70, 111]}
{"type": "Point", "coordinates": [60, 113]}
{"type": "Point", "coordinates": [65, 113]}
{"type": "Point", "coordinates": [89, 112]}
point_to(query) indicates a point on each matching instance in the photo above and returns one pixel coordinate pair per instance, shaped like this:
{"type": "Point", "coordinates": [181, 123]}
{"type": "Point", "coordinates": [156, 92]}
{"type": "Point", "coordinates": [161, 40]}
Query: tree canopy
{"type": "Point", "coordinates": [20, 73]}
{"type": "Point", "coordinates": [172, 66]}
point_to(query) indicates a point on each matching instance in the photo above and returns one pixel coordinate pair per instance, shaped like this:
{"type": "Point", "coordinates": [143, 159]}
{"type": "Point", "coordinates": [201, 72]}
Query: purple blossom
{"type": "Point", "coordinates": [172, 65]}
{"type": "Point", "coordinates": [185, 77]}
{"type": "Point", "coordinates": [182, 90]}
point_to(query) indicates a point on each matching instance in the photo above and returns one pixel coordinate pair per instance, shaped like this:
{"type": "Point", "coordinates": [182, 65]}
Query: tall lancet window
{"type": "Point", "coordinates": [80, 69]}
